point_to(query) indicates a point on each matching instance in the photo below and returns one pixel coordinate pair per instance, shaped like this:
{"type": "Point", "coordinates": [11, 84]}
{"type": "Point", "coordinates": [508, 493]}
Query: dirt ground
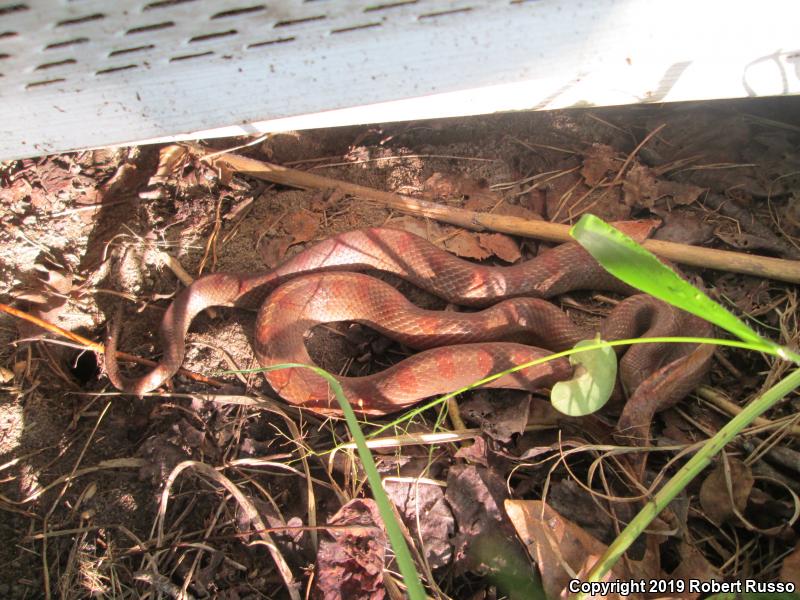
{"type": "Point", "coordinates": [86, 472]}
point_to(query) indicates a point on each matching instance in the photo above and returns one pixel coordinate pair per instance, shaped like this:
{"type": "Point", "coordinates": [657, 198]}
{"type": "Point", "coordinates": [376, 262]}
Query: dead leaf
{"type": "Point", "coordinates": [485, 542]}
{"type": "Point", "coordinates": [639, 230]}
{"type": "Point", "coordinates": [49, 300]}
{"type": "Point", "coordinates": [598, 161]}
{"type": "Point", "coordinates": [749, 294]}
{"type": "Point", "coordinates": [302, 225]}
{"type": "Point", "coordinates": [640, 187]}
{"type": "Point", "coordinates": [476, 193]}
{"type": "Point", "coordinates": [501, 415]}
{"type": "Point", "coordinates": [681, 193]}
{"type": "Point", "coordinates": [748, 241]}
{"type": "Point", "coordinates": [273, 250]}
{"type": "Point", "coordinates": [476, 495]}
{"type": "Point", "coordinates": [351, 555]}
{"type": "Point", "coordinates": [790, 570]}
{"type": "Point", "coordinates": [693, 565]}
{"type": "Point", "coordinates": [474, 452]}
{"type": "Point", "coordinates": [683, 226]}
{"type": "Point", "coordinates": [718, 499]}
{"type": "Point", "coordinates": [430, 230]}
{"type": "Point", "coordinates": [573, 502]}
{"type": "Point", "coordinates": [554, 542]}
{"type": "Point", "coordinates": [169, 160]}
{"type": "Point", "coordinates": [501, 245]}
{"type": "Point", "coordinates": [427, 516]}
{"type": "Point", "coordinates": [465, 244]}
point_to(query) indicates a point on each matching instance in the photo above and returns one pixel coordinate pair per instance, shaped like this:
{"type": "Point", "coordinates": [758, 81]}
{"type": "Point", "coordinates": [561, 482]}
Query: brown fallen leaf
{"type": "Point", "coordinates": [501, 415]}
{"type": "Point", "coordinates": [571, 501]}
{"type": "Point", "coordinates": [169, 160]}
{"type": "Point", "coordinates": [557, 544]}
{"type": "Point", "coordinates": [682, 225]}
{"type": "Point", "coordinates": [427, 516]}
{"type": "Point", "coordinates": [476, 452]}
{"type": "Point", "coordinates": [681, 193]}
{"type": "Point", "coordinates": [501, 245]}
{"type": "Point", "coordinates": [641, 188]}
{"type": "Point", "coordinates": [444, 186]}
{"type": "Point", "coordinates": [351, 555]}
{"type": "Point", "coordinates": [273, 250]}
{"type": "Point", "coordinates": [599, 160]}
{"type": "Point", "coordinates": [485, 542]}
{"type": "Point", "coordinates": [749, 241]}
{"type": "Point", "coordinates": [718, 498]}
{"type": "Point", "coordinates": [693, 565]}
{"type": "Point", "coordinates": [466, 245]}
{"type": "Point", "coordinates": [790, 570]}
{"type": "Point", "coordinates": [430, 230]}
{"type": "Point", "coordinates": [49, 300]}
{"type": "Point", "coordinates": [302, 225]}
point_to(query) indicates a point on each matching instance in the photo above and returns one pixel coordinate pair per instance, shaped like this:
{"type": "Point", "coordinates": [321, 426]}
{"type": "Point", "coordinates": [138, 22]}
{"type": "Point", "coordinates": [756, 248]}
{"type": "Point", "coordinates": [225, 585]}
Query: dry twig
{"type": "Point", "coordinates": [749, 264]}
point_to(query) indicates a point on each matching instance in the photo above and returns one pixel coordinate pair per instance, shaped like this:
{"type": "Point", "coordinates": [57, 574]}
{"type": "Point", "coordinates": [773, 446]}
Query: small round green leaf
{"type": "Point", "coordinates": [592, 384]}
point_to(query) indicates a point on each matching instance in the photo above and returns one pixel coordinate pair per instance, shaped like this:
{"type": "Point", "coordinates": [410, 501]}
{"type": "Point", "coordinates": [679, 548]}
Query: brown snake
{"type": "Point", "coordinates": [458, 348]}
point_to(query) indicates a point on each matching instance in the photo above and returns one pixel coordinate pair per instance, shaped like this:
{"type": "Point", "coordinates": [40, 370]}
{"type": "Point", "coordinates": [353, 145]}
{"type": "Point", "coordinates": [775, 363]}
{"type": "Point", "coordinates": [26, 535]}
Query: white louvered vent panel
{"type": "Point", "coordinates": [74, 41]}
{"type": "Point", "coordinates": [85, 73]}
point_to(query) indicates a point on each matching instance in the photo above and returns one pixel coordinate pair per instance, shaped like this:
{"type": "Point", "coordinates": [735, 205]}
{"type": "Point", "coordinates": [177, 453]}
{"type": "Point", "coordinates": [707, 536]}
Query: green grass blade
{"type": "Point", "coordinates": [628, 261]}
{"type": "Point", "coordinates": [402, 554]}
{"type": "Point", "coordinates": [688, 472]}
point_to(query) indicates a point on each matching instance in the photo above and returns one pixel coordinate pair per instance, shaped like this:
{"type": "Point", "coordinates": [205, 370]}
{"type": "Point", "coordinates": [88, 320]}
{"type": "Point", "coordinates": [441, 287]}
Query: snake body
{"type": "Point", "coordinates": [458, 348]}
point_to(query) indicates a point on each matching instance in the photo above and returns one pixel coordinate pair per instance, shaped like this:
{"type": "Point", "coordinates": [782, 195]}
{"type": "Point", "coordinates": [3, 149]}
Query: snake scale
{"type": "Point", "coordinates": [457, 348]}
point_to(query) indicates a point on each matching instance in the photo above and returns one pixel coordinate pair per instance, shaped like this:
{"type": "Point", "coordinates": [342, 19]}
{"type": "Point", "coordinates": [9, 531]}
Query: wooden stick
{"type": "Point", "coordinates": [696, 256]}
{"type": "Point", "coordinates": [98, 348]}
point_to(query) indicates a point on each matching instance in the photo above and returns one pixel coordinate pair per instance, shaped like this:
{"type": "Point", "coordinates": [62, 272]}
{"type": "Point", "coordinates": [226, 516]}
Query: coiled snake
{"type": "Point", "coordinates": [458, 348]}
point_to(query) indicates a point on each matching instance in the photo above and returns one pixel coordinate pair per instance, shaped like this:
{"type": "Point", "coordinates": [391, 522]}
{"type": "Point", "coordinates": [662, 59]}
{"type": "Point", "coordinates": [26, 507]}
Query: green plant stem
{"type": "Point", "coordinates": [775, 351]}
{"type": "Point", "coordinates": [402, 554]}
{"type": "Point", "coordinates": [688, 472]}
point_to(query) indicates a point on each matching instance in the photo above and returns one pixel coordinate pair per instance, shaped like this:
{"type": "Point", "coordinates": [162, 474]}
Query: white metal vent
{"type": "Point", "coordinates": [48, 42]}
{"type": "Point", "coordinates": [81, 73]}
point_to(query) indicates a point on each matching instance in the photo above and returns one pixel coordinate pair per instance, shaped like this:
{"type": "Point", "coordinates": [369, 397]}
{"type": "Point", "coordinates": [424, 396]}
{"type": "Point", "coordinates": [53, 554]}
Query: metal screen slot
{"type": "Point", "coordinates": [165, 4]}
{"type": "Point", "coordinates": [146, 28]}
{"type": "Point", "coordinates": [7, 10]}
{"type": "Point", "coordinates": [235, 12]}
{"type": "Point", "coordinates": [212, 36]}
{"type": "Point", "coordinates": [291, 22]}
{"type": "Point", "coordinates": [190, 56]}
{"type": "Point", "coordinates": [52, 65]}
{"type": "Point", "coordinates": [270, 42]}
{"type": "Point", "coordinates": [67, 43]}
{"type": "Point", "coordinates": [130, 50]}
{"type": "Point", "coordinates": [81, 20]}
{"type": "Point", "coordinates": [389, 5]}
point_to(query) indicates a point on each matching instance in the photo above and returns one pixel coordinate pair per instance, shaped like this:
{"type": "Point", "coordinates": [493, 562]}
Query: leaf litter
{"type": "Point", "coordinates": [80, 233]}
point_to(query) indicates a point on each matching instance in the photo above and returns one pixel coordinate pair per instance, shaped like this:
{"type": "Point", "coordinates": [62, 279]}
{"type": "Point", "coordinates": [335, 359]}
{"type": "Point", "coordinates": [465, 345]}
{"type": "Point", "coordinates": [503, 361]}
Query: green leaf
{"type": "Point", "coordinates": [592, 384]}
{"type": "Point", "coordinates": [628, 261]}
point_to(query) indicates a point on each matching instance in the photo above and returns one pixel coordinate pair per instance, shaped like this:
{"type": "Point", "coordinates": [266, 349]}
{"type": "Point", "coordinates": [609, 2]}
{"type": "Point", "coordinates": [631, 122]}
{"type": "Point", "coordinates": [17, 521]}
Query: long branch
{"type": "Point", "coordinates": [696, 256]}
